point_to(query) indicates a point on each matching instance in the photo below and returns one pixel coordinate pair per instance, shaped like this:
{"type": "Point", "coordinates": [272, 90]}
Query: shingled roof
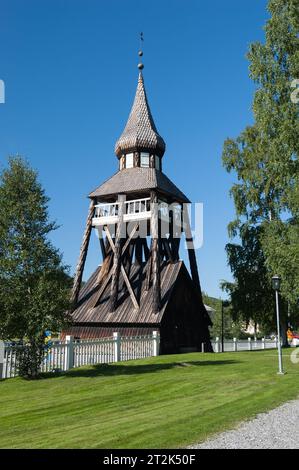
{"type": "Point", "coordinates": [138, 179]}
{"type": "Point", "coordinates": [140, 132]}
{"type": "Point", "coordinates": [86, 312]}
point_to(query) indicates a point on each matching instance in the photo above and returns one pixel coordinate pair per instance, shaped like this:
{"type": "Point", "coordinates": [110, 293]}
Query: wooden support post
{"type": "Point", "coordinates": [191, 251]}
{"type": "Point", "coordinates": [167, 250]}
{"type": "Point", "coordinates": [117, 253]}
{"type": "Point", "coordinates": [193, 267]}
{"type": "Point", "coordinates": [103, 248]}
{"type": "Point", "coordinates": [195, 276]}
{"type": "Point", "coordinates": [138, 251]}
{"type": "Point", "coordinates": [149, 268]}
{"type": "Point", "coordinates": [145, 249]}
{"type": "Point", "coordinates": [156, 273]}
{"type": "Point", "coordinates": [161, 250]}
{"type": "Point", "coordinates": [155, 252]}
{"type": "Point", "coordinates": [175, 227]}
{"type": "Point", "coordinates": [83, 254]}
{"type": "Point", "coordinates": [170, 238]}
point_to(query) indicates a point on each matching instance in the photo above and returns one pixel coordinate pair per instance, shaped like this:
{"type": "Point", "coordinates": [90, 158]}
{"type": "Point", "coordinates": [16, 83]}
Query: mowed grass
{"type": "Point", "coordinates": [167, 401]}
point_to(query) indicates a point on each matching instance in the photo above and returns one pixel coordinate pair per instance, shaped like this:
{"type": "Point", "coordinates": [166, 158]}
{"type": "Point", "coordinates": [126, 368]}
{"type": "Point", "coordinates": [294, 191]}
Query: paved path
{"type": "Point", "coordinates": [277, 429]}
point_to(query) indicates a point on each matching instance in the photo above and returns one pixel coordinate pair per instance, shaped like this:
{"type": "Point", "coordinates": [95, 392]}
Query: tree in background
{"type": "Point", "coordinates": [251, 294]}
{"type": "Point", "coordinates": [34, 284]}
{"type": "Point", "coordinates": [265, 159]}
{"type": "Point", "coordinates": [232, 327]}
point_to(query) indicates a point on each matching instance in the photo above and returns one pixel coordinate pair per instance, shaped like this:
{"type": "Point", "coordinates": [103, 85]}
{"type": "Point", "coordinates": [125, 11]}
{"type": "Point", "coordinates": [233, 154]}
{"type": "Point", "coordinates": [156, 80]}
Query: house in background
{"type": "Point", "coordinates": [211, 312]}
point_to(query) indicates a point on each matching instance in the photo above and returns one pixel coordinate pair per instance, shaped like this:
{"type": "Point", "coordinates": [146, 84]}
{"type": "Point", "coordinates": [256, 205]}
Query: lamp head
{"type": "Point", "coordinates": [276, 282]}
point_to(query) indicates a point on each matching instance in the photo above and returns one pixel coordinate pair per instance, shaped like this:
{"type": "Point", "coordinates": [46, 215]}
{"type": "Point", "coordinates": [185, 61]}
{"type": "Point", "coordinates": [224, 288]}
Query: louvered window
{"type": "Point", "coordinates": [157, 163]}
{"type": "Point", "coordinates": [144, 159]}
{"type": "Point", "coordinates": [129, 160]}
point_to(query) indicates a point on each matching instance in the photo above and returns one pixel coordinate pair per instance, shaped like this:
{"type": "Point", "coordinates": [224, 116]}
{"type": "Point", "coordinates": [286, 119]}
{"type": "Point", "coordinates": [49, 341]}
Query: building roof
{"type": "Point", "coordinates": [209, 309]}
{"type": "Point", "coordinates": [138, 179]}
{"type": "Point", "coordinates": [140, 132]}
{"type": "Point", "coordinates": [86, 312]}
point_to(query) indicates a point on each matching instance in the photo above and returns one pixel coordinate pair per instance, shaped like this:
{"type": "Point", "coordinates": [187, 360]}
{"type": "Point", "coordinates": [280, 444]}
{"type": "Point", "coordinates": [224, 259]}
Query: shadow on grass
{"type": "Point", "coordinates": [108, 370]}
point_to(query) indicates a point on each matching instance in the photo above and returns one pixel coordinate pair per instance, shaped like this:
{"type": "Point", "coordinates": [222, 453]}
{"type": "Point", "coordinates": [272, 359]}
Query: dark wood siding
{"type": "Point", "coordinates": [183, 327]}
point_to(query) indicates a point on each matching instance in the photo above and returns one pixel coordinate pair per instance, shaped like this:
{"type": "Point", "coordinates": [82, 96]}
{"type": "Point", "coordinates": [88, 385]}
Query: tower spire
{"type": "Point", "coordinates": [140, 132]}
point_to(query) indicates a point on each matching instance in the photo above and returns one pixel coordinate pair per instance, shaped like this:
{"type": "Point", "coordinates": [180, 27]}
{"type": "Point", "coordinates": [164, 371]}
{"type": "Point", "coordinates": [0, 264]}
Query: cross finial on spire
{"type": "Point", "coordinates": [140, 52]}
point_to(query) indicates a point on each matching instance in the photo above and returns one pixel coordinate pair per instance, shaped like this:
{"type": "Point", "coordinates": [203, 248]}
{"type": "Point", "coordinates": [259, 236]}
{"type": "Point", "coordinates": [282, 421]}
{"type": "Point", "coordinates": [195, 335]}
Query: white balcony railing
{"type": "Point", "coordinates": [107, 213]}
{"type": "Point", "coordinates": [138, 208]}
{"type": "Point", "coordinates": [106, 210]}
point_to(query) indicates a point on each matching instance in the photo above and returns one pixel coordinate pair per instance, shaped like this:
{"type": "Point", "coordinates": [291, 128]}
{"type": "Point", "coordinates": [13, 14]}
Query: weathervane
{"type": "Point", "coordinates": [140, 52]}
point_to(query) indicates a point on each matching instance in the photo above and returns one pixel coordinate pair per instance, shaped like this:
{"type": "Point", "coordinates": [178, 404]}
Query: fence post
{"type": "Point", "coordinates": [235, 345]}
{"type": "Point", "coordinates": [263, 343]}
{"type": "Point", "coordinates": [276, 342]}
{"type": "Point", "coordinates": [2, 346]}
{"type": "Point", "coordinates": [249, 344]}
{"type": "Point", "coordinates": [69, 352]}
{"type": "Point", "coordinates": [156, 343]}
{"type": "Point", "coordinates": [116, 338]}
{"type": "Point", "coordinates": [217, 345]}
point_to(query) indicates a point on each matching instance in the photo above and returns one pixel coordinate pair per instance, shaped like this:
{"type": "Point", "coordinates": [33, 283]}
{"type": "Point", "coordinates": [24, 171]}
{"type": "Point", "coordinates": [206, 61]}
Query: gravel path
{"type": "Point", "coordinates": [277, 429]}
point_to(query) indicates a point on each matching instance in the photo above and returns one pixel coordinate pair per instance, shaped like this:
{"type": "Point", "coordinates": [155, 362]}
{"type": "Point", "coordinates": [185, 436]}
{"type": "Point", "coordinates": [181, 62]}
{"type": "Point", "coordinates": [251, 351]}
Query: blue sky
{"type": "Point", "coordinates": [69, 68]}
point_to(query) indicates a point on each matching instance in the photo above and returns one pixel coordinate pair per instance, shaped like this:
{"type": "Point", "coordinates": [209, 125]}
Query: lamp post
{"type": "Point", "coordinates": [222, 327]}
{"type": "Point", "coordinates": [276, 286]}
{"type": "Point", "coordinates": [224, 303]}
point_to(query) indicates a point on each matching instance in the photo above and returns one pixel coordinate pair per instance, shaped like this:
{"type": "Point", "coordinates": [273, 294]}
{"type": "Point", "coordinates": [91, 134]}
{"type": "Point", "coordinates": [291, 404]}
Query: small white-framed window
{"type": "Point", "coordinates": [144, 159]}
{"type": "Point", "coordinates": [129, 160]}
{"type": "Point", "coordinates": [157, 163]}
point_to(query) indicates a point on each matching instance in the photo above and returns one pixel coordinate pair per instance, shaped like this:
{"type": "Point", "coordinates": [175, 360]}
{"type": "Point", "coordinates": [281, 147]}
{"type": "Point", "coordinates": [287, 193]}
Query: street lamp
{"type": "Point", "coordinates": [276, 286]}
{"type": "Point", "coordinates": [222, 327]}
{"type": "Point", "coordinates": [224, 303]}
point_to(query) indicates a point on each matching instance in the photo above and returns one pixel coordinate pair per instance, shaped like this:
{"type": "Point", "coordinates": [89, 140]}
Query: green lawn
{"type": "Point", "coordinates": [167, 401]}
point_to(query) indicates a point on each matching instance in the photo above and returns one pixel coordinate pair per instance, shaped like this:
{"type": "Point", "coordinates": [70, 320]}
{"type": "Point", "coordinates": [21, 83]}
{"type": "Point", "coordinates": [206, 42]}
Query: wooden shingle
{"type": "Point", "coordinates": [140, 131]}
{"type": "Point", "coordinates": [138, 179]}
{"type": "Point", "coordinates": [86, 312]}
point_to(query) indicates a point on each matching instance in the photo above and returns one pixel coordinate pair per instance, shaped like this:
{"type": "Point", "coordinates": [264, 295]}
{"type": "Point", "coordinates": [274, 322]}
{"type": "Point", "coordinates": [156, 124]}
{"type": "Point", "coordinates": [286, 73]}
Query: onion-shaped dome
{"type": "Point", "coordinates": [140, 133]}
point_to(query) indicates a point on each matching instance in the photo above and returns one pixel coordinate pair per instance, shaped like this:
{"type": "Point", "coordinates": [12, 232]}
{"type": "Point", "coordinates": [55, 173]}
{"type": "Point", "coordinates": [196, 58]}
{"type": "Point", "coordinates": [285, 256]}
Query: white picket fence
{"type": "Point", "coordinates": [243, 344]}
{"type": "Point", "coordinates": [62, 356]}
{"type": "Point", "coordinates": [65, 355]}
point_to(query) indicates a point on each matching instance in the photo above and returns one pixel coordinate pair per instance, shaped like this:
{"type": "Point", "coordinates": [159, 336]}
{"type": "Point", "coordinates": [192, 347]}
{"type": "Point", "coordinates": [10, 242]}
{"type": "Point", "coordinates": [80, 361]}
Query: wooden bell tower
{"type": "Point", "coordinates": [140, 217]}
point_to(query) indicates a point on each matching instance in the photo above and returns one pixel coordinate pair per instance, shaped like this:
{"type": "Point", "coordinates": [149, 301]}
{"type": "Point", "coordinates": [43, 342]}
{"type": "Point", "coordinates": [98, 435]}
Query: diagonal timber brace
{"type": "Point", "coordinates": [83, 254]}
{"type": "Point", "coordinates": [126, 279]}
